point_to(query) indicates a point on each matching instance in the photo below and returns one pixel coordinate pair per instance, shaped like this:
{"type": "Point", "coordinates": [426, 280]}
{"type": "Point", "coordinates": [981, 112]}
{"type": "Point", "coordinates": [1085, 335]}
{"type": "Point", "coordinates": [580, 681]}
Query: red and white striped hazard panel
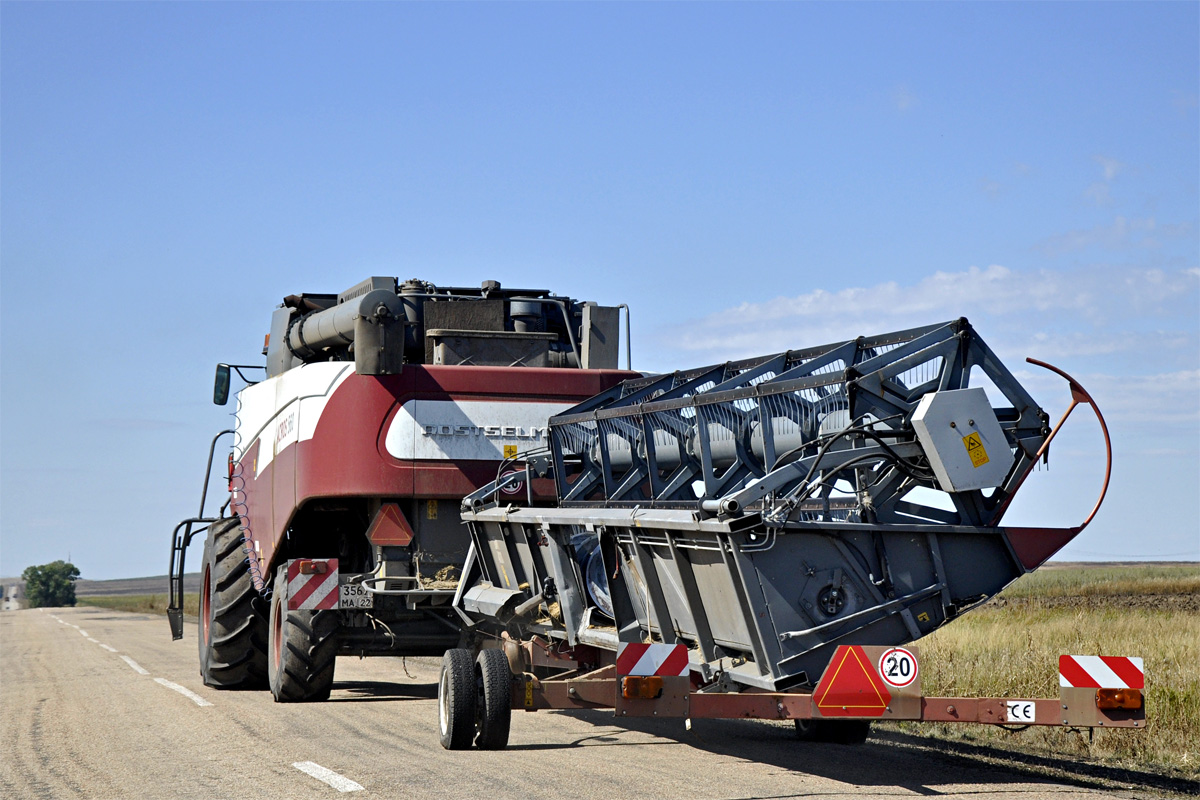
{"type": "Point", "coordinates": [652, 659]}
{"type": "Point", "coordinates": [1101, 672]}
{"type": "Point", "coordinates": [311, 587]}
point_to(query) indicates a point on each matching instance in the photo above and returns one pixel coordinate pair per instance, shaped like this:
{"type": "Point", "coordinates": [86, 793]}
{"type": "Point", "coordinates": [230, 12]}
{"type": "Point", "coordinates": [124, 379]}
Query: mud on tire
{"type": "Point", "coordinates": [233, 622]}
{"type": "Point", "coordinates": [303, 648]}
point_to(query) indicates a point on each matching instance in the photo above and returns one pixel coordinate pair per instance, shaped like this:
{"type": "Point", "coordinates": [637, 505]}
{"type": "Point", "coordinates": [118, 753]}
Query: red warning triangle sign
{"type": "Point", "coordinates": [851, 687]}
{"type": "Point", "coordinates": [390, 527]}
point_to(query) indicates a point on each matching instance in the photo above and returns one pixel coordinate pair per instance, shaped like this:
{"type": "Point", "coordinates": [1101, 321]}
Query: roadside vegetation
{"type": "Point", "coordinates": [1010, 648]}
{"type": "Point", "coordinates": [142, 603]}
{"type": "Point", "coordinates": [50, 585]}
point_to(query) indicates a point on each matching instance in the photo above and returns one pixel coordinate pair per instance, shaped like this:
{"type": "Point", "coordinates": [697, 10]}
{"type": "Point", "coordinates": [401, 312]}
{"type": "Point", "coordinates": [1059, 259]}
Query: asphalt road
{"type": "Point", "coordinates": [102, 704]}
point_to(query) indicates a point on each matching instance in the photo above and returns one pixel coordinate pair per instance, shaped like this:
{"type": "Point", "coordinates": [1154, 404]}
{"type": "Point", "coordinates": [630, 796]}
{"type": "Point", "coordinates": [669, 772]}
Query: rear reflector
{"type": "Point", "coordinates": [1119, 698]}
{"type": "Point", "coordinates": [313, 567]}
{"type": "Point", "coordinates": [636, 687]}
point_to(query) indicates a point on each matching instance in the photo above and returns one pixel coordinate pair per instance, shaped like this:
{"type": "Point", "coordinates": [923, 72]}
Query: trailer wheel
{"type": "Point", "coordinates": [233, 627]}
{"type": "Point", "coordinates": [835, 731]}
{"type": "Point", "coordinates": [303, 649]}
{"type": "Point", "coordinates": [493, 679]}
{"type": "Point", "coordinates": [457, 700]}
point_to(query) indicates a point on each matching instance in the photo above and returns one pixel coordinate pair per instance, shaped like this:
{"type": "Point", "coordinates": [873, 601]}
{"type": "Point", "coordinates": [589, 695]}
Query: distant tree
{"type": "Point", "coordinates": [50, 584]}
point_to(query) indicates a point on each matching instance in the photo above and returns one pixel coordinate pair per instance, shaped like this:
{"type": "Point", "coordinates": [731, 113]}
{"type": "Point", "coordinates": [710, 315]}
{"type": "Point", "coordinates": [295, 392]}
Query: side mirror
{"type": "Point", "coordinates": [221, 385]}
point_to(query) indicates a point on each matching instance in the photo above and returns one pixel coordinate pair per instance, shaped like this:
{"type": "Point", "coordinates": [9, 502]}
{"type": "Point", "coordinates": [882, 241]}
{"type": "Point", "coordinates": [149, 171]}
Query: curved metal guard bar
{"type": "Point", "coordinates": [1078, 395]}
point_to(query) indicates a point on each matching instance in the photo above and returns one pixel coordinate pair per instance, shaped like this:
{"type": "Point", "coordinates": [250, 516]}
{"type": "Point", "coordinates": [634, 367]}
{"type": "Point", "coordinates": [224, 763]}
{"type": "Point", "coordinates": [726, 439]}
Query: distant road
{"type": "Point", "coordinates": [102, 704]}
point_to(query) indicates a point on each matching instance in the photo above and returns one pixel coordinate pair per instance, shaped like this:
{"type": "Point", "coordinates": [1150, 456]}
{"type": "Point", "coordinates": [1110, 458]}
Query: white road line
{"type": "Point", "coordinates": [339, 782]}
{"type": "Point", "coordinates": [84, 633]}
{"type": "Point", "coordinates": [93, 641]}
{"type": "Point", "coordinates": [188, 693]}
{"type": "Point", "coordinates": [106, 647]}
{"type": "Point", "coordinates": [136, 666]}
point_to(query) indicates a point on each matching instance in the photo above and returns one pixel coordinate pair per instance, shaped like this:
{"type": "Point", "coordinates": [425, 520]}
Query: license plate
{"type": "Point", "coordinates": [353, 595]}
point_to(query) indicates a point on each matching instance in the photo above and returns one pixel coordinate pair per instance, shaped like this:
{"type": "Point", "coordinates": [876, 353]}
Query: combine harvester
{"type": "Point", "coordinates": [763, 539]}
{"type": "Point", "coordinates": [380, 407]}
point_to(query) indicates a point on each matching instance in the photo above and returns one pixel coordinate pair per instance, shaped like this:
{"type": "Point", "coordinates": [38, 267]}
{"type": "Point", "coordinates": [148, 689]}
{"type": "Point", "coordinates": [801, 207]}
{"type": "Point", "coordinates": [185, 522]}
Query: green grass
{"type": "Point", "coordinates": [1012, 651]}
{"type": "Point", "coordinates": [141, 603]}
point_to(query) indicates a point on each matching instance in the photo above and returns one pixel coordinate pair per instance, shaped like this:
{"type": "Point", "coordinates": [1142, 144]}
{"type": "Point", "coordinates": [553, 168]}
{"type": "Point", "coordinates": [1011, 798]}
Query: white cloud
{"type": "Point", "coordinates": [1145, 316]}
{"type": "Point", "coordinates": [1122, 233]}
{"type": "Point", "coordinates": [1098, 193]}
{"type": "Point", "coordinates": [904, 98]}
{"type": "Point", "coordinates": [1112, 168]}
{"type": "Point", "coordinates": [1155, 400]}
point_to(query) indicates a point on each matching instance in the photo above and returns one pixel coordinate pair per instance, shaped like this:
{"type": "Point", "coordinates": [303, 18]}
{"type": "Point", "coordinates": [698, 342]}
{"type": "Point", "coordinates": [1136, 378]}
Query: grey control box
{"type": "Point", "coordinates": [963, 440]}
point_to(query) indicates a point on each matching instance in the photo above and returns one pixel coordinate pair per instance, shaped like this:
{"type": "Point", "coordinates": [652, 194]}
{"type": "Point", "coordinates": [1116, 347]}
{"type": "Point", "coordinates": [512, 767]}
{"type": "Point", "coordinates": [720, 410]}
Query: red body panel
{"type": "Point", "coordinates": [346, 456]}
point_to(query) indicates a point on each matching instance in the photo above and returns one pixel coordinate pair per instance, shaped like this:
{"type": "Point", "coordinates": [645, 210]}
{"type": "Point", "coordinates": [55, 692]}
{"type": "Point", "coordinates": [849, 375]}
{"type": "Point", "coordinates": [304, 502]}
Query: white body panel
{"type": "Point", "coordinates": [285, 409]}
{"type": "Point", "coordinates": [468, 430]}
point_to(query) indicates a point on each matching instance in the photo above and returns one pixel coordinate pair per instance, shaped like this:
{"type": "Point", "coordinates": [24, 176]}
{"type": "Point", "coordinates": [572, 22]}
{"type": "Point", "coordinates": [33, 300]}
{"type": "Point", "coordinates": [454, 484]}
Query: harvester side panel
{"type": "Point", "coordinates": [318, 431]}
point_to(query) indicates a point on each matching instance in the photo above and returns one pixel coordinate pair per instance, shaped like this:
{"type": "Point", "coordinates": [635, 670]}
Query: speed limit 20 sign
{"type": "Point", "coordinates": [898, 667]}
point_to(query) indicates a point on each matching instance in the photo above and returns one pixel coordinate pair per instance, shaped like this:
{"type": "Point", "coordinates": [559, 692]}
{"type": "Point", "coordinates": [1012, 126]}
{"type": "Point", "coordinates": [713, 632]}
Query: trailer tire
{"type": "Point", "coordinates": [233, 626]}
{"type": "Point", "coordinates": [835, 731]}
{"type": "Point", "coordinates": [303, 649]}
{"type": "Point", "coordinates": [457, 700]}
{"type": "Point", "coordinates": [493, 679]}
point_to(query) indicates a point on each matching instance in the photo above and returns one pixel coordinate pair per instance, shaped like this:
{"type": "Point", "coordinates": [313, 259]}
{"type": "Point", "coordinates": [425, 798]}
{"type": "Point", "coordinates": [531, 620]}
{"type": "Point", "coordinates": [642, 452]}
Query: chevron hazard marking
{"type": "Point", "coordinates": [1101, 672]}
{"type": "Point", "coordinates": [315, 592]}
{"type": "Point", "coordinates": [652, 659]}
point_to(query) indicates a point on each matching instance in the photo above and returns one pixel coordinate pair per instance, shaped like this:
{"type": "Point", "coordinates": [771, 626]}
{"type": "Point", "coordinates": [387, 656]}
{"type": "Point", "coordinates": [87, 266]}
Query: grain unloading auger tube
{"type": "Point", "coordinates": [765, 517]}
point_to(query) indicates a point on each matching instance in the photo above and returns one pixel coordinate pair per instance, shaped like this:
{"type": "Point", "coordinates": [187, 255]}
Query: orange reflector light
{"type": "Point", "coordinates": [1119, 698]}
{"type": "Point", "coordinates": [635, 687]}
{"type": "Point", "coordinates": [313, 567]}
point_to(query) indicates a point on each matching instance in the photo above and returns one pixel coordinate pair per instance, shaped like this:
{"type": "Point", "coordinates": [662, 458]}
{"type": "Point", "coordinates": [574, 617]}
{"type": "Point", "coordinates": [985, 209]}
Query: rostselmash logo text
{"type": "Point", "coordinates": [486, 431]}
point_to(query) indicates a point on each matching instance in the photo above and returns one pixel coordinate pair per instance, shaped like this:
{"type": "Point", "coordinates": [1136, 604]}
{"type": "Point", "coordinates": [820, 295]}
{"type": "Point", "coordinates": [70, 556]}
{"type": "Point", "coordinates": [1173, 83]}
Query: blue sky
{"type": "Point", "coordinates": [747, 177]}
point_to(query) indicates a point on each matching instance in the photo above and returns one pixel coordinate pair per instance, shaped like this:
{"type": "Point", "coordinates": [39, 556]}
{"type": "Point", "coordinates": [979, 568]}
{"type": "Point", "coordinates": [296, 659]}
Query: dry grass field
{"type": "Point", "coordinates": [141, 603]}
{"type": "Point", "coordinates": [1010, 648]}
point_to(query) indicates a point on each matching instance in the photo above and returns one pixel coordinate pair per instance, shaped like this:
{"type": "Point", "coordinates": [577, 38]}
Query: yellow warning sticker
{"type": "Point", "coordinates": [529, 694]}
{"type": "Point", "coordinates": [974, 445]}
{"type": "Point", "coordinates": [431, 509]}
{"type": "Point", "coordinates": [510, 451]}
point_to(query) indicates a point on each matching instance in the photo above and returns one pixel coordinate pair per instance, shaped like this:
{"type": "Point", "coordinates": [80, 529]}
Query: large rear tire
{"type": "Point", "coordinates": [494, 698]}
{"type": "Point", "coordinates": [457, 700]}
{"type": "Point", "coordinates": [303, 649]}
{"type": "Point", "coordinates": [233, 627]}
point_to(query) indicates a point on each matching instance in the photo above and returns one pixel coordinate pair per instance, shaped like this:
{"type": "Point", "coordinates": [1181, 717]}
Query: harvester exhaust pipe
{"type": "Point", "coordinates": [373, 325]}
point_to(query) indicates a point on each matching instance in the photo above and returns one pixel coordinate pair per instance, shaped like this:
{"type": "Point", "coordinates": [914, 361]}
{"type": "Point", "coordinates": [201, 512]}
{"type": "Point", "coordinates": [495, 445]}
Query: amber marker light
{"type": "Point", "coordinates": [1119, 698]}
{"type": "Point", "coordinates": [634, 687]}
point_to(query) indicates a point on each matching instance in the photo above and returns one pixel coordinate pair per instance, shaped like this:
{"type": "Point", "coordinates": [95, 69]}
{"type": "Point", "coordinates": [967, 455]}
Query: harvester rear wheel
{"type": "Point", "coordinates": [493, 679]}
{"type": "Point", "coordinates": [835, 731]}
{"type": "Point", "coordinates": [303, 650]}
{"type": "Point", "coordinates": [233, 627]}
{"type": "Point", "coordinates": [457, 700]}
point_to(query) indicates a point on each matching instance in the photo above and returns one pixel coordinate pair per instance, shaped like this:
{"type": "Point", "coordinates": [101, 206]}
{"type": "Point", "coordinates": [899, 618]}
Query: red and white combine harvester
{"type": "Point", "coordinates": [762, 538]}
{"type": "Point", "coordinates": [381, 407]}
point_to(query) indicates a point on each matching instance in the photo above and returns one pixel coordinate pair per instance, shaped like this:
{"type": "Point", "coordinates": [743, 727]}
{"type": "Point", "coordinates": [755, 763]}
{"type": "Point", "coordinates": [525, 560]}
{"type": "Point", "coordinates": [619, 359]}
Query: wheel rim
{"type": "Point", "coordinates": [277, 634]}
{"type": "Point", "coordinates": [206, 605]}
{"type": "Point", "coordinates": [443, 701]}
